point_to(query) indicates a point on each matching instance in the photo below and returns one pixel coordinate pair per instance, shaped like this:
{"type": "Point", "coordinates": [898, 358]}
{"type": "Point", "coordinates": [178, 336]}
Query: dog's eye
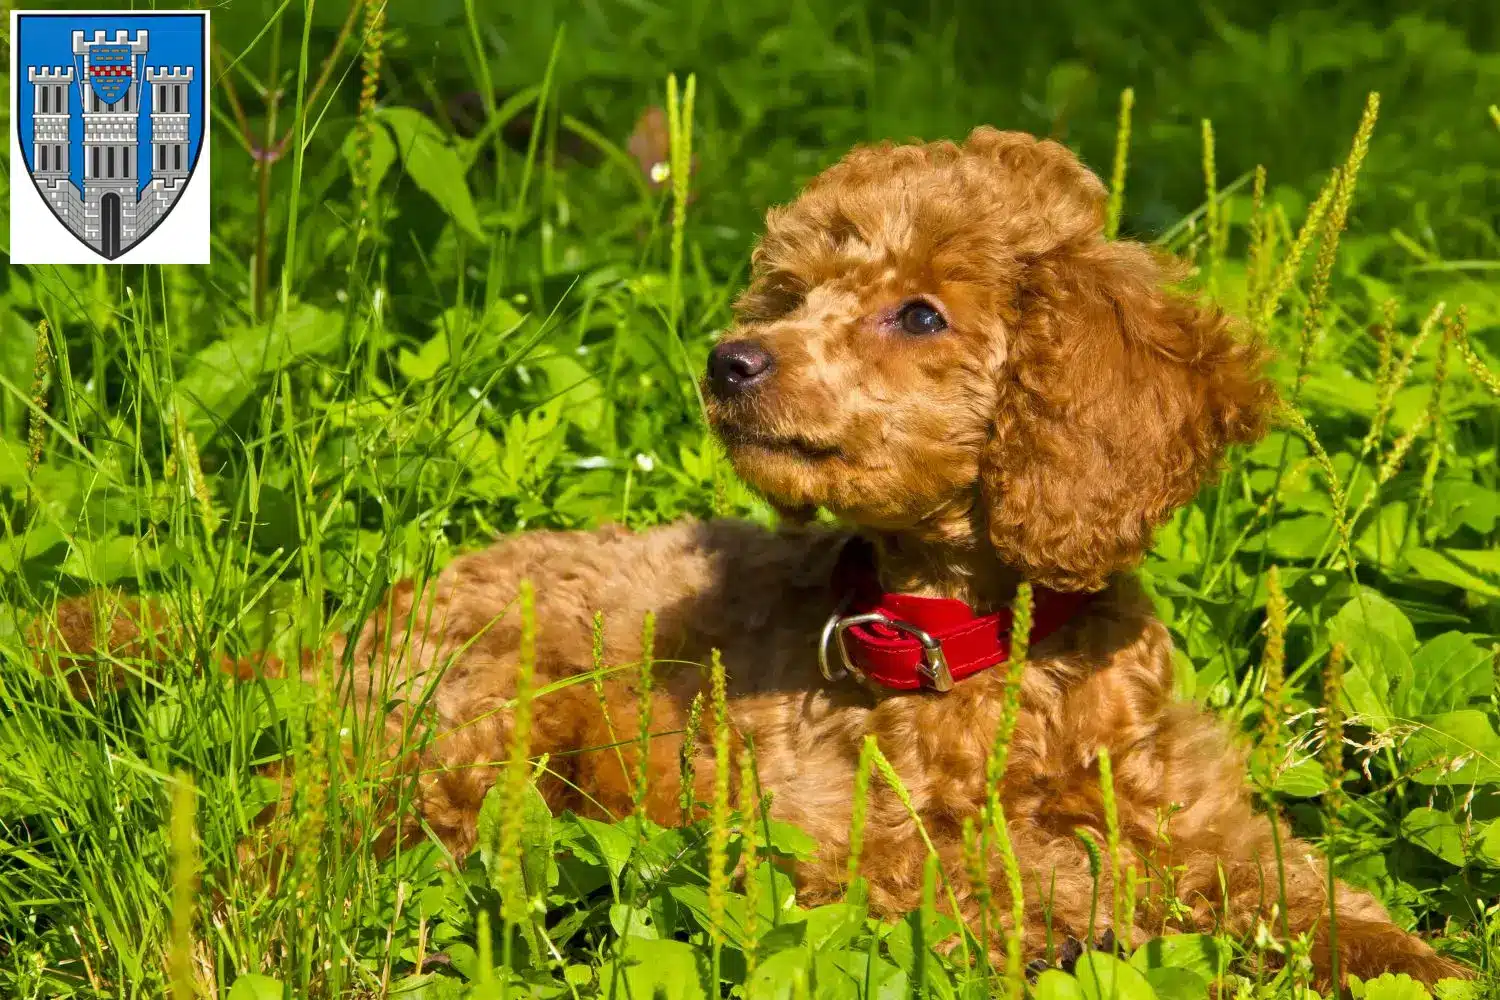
{"type": "Point", "coordinates": [920, 318]}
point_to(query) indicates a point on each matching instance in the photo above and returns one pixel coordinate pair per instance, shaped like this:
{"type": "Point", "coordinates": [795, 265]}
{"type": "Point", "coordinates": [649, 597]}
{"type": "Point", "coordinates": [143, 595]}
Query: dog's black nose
{"type": "Point", "coordinates": [737, 365]}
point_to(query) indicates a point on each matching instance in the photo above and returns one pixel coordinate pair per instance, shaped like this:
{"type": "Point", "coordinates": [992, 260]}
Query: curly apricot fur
{"type": "Point", "coordinates": [1073, 403]}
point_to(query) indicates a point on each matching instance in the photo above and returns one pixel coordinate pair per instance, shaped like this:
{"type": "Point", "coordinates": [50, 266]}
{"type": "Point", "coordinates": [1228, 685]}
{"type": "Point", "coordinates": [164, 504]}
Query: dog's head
{"type": "Point", "coordinates": [937, 340]}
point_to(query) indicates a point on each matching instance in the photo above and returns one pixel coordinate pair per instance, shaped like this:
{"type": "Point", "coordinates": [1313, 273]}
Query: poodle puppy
{"type": "Point", "coordinates": [939, 347]}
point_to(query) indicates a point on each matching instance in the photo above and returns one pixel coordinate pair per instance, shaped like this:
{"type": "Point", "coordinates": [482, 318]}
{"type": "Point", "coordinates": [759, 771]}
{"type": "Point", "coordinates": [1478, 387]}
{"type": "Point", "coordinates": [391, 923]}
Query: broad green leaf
{"type": "Point", "coordinates": [1458, 989]}
{"type": "Point", "coordinates": [1389, 986]}
{"type": "Point", "coordinates": [432, 986]}
{"type": "Point", "coordinates": [1054, 984]}
{"type": "Point", "coordinates": [426, 362]}
{"type": "Point", "coordinates": [694, 899]}
{"type": "Point", "coordinates": [223, 375]}
{"type": "Point", "coordinates": [436, 166]}
{"type": "Point", "coordinates": [382, 154]}
{"type": "Point", "coordinates": [537, 866]}
{"type": "Point", "coordinates": [1102, 976]}
{"type": "Point", "coordinates": [776, 977]}
{"type": "Point", "coordinates": [613, 843]}
{"type": "Point", "coordinates": [1460, 503]}
{"type": "Point", "coordinates": [631, 921]}
{"type": "Point", "coordinates": [1377, 639]}
{"type": "Point", "coordinates": [1488, 844]}
{"type": "Point", "coordinates": [1369, 608]}
{"type": "Point", "coordinates": [578, 388]}
{"type": "Point", "coordinates": [1436, 832]}
{"type": "Point", "coordinates": [1380, 541]}
{"type": "Point", "coordinates": [834, 925]}
{"type": "Point", "coordinates": [873, 977]}
{"type": "Point", "coordinates": [1469, 570]}
{"type": "Point", "coordinates": [1301, 537]}
{"type": "Point", "coordinates": [1202, 953]}
{"type": "Point", "coordinates": [1448, 671]}
{"type": "Point", "coordinates": [1454, 748]}
{"type": "Point", "coordinates": [658, 969]}
{"type": "Point", "coordinates": [254, 986]}
{"type": "Point", "coordinates": [1304, 779]}
{"type": "Point", "coordinates": [787, 839]}
{"type": "Point", "coordinates": [1171, 983]}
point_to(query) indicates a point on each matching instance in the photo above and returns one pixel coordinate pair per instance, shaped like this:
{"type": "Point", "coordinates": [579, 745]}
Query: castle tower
{"type": "Point", "coordinates": [50, 120]}
{"type": "Point", "coordinates": [169, 122]}
{"type": "Point", "coordinates": [50, 163]}
{"type": "Point", "coordinates": [111, 136]}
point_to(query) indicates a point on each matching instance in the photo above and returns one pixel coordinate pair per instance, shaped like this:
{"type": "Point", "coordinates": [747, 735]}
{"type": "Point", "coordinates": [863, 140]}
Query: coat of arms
{"type": "Point", "coordinates": [110, 111]}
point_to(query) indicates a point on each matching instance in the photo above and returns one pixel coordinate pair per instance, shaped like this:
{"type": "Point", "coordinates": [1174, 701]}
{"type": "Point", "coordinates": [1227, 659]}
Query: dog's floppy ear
{"type": "Point", "coordinates": [1117, 398]}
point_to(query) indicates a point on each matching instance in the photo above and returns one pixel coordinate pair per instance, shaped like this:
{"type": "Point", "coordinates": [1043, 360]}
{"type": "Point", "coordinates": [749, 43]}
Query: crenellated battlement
{"type": "Point", "coordinates": [169, 74]}
{"type": "Point", "coordinates": [49, 74]}
{"type": "Point", "coordinates": [137, 42]}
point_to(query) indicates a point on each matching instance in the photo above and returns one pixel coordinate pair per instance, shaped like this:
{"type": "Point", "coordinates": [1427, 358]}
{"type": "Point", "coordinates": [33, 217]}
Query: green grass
{"type": "Point", "coordinates": [386, 366]}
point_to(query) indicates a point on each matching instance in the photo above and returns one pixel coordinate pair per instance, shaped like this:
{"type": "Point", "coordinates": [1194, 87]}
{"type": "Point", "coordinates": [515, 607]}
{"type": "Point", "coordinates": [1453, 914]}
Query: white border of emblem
{"type": "Point", "coordinates": [39, 237]}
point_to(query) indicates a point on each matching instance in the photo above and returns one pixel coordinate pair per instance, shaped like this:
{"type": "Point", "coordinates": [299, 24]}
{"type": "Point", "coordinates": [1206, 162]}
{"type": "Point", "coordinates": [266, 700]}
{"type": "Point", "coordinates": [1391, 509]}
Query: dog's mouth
{"type": "Point", "coordinates": [751, 440]}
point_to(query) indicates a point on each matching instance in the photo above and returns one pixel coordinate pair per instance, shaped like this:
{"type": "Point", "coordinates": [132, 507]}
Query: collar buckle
{"type": "Point", "coordinates": [934, 666]}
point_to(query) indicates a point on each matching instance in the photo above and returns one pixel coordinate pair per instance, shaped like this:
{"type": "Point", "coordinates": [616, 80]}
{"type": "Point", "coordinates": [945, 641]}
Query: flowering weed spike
{"type": "Point", "coordinates": [1273, 663]}
{"type": "Point", "coordinates": [1259, 229]}
{"type": "Point", "coordinates": [718, 837]}
{"type": "Point", "coordinates": [687, 760]}
{"type": "Point", "coordinates": [1397, 373]}
{"type": "Point", "coordinates": [1474, 362]}
{"type": "Point", "coordinates": [645, 686]}
{"type": "Point", "coordinates": [1294, 418]}
{"type": "Point", "coordinates": [1116, 204]}
{"type": "Point", "coordinates": [1211, 220]}
{"type": "Point", "coordinates": [371, 54]}
{"type": "Point", "coordinates": [1452, 331]}
{"type": "Point", "coordinates": [1285, 274]}
{"type": "Point", "coordinates": [596, 681]}
{"type": "Point", "coordinates": [1338, 218]}
{"type": "Point", "coordinates": [41, 367]}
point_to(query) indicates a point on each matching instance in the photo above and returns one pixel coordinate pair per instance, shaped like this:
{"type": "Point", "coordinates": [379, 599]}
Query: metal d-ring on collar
{"type": "Point", "coordinates": [934, 664]}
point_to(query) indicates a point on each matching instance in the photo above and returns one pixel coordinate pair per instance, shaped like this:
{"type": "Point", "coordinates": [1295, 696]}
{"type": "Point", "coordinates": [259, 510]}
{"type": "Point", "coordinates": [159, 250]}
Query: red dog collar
{"type": "Point", "coordinates": [907, 643]}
